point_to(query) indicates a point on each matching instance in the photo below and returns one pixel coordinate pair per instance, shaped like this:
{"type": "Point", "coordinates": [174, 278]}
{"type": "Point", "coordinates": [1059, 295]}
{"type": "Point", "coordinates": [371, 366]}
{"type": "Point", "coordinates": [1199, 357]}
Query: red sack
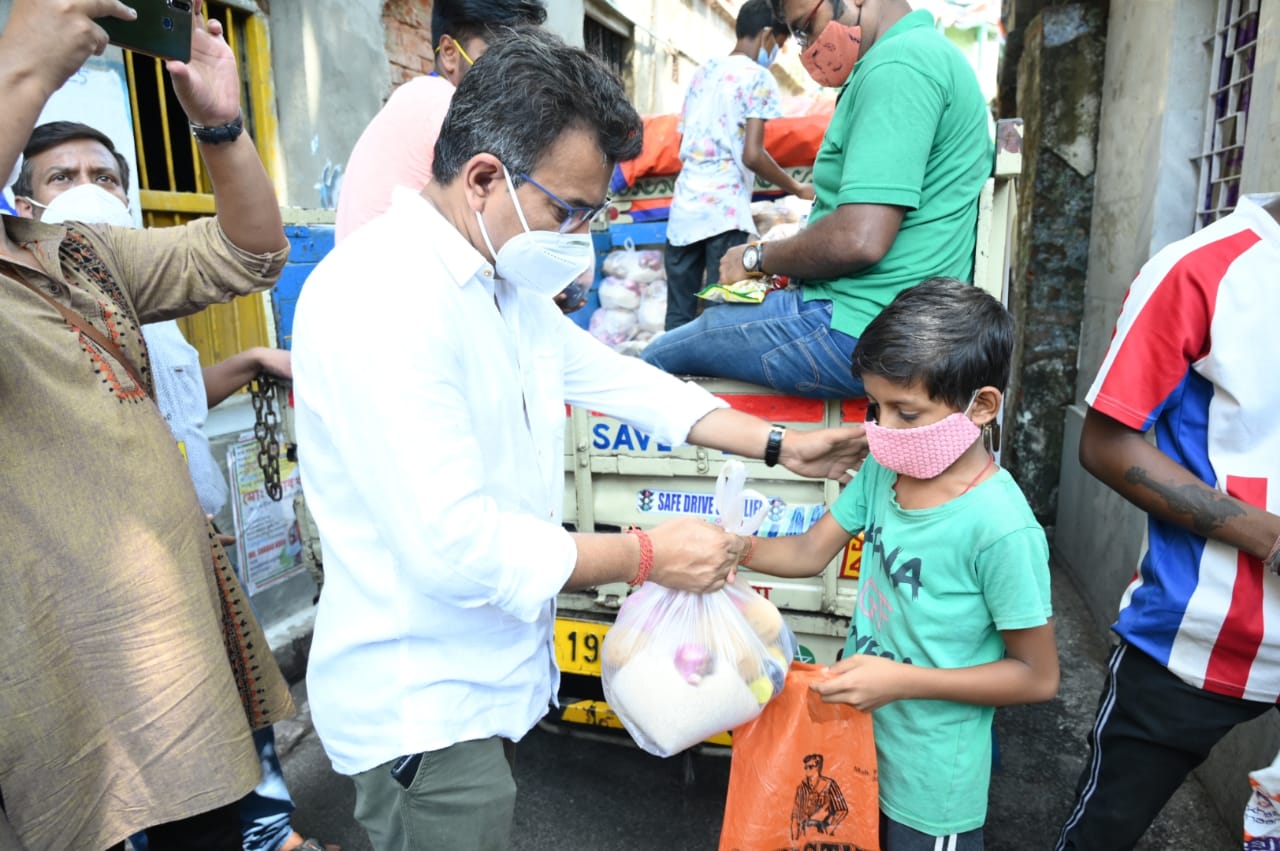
{"type": "Point", "coordinates": [803, 776]}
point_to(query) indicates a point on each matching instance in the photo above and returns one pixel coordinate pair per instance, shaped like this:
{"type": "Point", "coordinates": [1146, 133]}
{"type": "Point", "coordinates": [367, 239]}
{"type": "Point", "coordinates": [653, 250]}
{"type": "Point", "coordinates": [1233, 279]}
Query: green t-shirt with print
{"type": "Point", "coordinates": [910, 129]}
{"type": "Point", "coordinates": [937, 586]}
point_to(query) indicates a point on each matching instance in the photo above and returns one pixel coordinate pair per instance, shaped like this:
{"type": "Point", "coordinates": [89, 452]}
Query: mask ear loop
{"type": "Point", "coordinates": [506, 174]}
{"type": "Point", "coordinates": [990, 431]}
{"type": "Point", "coordinates": [484, 231]}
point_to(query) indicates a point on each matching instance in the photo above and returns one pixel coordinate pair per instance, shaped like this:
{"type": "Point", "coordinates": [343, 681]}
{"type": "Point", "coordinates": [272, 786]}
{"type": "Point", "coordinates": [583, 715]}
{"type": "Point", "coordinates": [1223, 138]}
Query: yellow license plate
{"type": "Point", "coordinates": [578, 646]}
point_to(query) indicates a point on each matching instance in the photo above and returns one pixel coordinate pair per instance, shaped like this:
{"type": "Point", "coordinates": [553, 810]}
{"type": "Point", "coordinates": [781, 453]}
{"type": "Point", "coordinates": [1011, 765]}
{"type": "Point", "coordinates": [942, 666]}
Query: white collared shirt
{"type": "Point", "coordinates": [431, 441]}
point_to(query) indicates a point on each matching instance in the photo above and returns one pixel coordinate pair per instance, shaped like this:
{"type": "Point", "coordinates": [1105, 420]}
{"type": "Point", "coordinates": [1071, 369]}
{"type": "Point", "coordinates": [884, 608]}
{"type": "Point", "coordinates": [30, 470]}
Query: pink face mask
{"type": "Point", "coordinates": [830, 56]}
{"type": "Point", "coordinates": [925, 451]}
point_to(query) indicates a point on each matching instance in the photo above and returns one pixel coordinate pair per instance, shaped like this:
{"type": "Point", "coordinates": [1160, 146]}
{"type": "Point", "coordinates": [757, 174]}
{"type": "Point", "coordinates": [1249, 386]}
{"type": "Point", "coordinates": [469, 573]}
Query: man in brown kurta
{"type": "Point", "coordinates": [127, 688]}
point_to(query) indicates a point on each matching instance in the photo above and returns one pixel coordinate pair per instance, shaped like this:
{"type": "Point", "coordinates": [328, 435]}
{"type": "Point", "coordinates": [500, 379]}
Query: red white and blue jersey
{"type": "Point", "coordinates": [1196, 356]}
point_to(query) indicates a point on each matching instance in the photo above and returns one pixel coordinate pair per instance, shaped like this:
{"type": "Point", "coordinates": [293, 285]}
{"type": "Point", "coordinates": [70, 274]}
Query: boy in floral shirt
{"type": "Point", "coordinates": [722, 123]}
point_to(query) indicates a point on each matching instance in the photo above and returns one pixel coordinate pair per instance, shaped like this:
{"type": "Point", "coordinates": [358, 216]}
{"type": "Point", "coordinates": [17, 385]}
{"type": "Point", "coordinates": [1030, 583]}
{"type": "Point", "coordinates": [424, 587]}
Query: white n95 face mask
{"type": "Point", "coordinates": [542, 262]}
{"type": "Point", "coordinates": [88, 203]}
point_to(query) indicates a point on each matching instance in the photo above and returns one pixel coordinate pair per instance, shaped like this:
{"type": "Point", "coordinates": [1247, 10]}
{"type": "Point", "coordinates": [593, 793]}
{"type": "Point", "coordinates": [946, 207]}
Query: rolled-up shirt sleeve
{"type": "Point", "coordinates": [175, 271]}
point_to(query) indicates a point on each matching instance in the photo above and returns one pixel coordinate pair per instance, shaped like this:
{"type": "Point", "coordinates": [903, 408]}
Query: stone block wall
{"type": "Point", "coordinates": [1059, 83]}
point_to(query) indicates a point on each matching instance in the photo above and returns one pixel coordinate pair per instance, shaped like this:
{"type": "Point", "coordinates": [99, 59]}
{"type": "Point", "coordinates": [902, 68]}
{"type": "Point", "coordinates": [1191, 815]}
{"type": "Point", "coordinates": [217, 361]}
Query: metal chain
{"type": "Point", "coordinates": [266, 429]}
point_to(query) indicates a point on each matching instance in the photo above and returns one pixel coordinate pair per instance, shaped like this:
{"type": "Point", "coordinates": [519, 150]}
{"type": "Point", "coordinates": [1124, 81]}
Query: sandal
{"type": "Point", "coordinates": [316, 845]}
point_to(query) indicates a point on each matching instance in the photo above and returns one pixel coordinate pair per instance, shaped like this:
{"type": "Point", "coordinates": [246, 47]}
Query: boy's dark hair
{"type": "Point", "coordinates": [462, 20]}
{"type": "Point", "coordinates": [754, 16]}
{"type": "Point", "coordinates": [55, 133]}
{"type": "Point", "coordinates": [525, 91]}
{"type": "Point", "coordinates": [951, 336]}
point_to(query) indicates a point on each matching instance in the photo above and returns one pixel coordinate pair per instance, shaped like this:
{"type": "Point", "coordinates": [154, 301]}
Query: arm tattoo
{"type": "Point", "coordinates": [1205, 508]}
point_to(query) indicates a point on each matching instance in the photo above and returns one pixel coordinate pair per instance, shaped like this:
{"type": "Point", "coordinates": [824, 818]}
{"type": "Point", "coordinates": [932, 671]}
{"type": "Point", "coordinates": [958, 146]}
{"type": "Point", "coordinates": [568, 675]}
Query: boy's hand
{"type": "Point", "coordinates": [804, 191]}
{"type": "Point", "coordinates": [864, 682]}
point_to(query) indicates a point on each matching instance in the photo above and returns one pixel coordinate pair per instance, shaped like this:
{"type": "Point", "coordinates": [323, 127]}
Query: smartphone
{"type": "Point", "coordinates": [162, 29]}
{"type": "Point", "coordinates": [404, 769]}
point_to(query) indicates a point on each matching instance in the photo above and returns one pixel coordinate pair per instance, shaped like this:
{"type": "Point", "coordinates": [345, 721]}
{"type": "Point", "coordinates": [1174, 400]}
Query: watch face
{"type": "Point", "coordinates": [751, 258]}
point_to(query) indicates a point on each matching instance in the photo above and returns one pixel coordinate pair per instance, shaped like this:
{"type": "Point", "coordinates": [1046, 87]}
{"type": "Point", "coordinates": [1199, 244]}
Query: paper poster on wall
{"type": "Point", "coordinates": [98, 95]}
{"type": "Point", "coordinates": [268, 540]}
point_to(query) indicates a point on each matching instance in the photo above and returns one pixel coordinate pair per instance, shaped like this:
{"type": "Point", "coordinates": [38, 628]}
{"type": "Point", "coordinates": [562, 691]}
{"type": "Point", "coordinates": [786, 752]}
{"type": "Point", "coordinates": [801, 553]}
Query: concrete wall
{"type": "Point", "coordinates": [1151, 125]}
{"type": "Point", "coordinates": [331, 77]}
{"type": "Point", "coordinates": [564, 18]}
{"type": "Point", "coordinates": [1153, 105]}
{"type": "Point", "coordinates": [1262, 170]}
{"type": "Point", "coordinates": [670, 41]}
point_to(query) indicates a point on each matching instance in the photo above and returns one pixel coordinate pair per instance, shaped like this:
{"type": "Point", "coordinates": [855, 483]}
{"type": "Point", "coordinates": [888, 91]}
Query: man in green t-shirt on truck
{"type": "Point", "coordinates": [897, 180]}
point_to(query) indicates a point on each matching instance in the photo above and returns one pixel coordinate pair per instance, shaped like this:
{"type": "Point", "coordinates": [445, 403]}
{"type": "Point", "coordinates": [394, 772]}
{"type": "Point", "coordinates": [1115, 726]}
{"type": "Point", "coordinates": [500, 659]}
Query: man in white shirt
{"type": "Point", "coordinates": [431, 371]}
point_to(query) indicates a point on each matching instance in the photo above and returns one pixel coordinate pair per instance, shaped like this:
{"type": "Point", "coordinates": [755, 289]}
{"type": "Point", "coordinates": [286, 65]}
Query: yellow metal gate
{"type": "Point", "coordinates": [174, 186]}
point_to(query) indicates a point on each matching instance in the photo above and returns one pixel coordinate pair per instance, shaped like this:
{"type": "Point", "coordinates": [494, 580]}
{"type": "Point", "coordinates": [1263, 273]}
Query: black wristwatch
{"type": "Point", "coordinates": [228, 132]}
{"type": "Point", "coordinates": [773, 448]}
{"type": "Point", "coordinates": [753, 258]}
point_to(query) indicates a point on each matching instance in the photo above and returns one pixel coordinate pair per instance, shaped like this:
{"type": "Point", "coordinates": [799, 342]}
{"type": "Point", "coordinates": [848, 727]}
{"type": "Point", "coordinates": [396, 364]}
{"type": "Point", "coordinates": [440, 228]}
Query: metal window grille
{"type": "Point", "coordinates": [174, 187]}
{"type": "Point", "coordinates": [1234, 44]}
{"type": "Point", "coordinates": [605, 44]}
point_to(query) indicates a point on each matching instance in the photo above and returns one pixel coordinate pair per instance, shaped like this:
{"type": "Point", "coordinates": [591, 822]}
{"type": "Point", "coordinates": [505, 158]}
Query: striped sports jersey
{"type": "Point", "coordinates": [1196, 356]}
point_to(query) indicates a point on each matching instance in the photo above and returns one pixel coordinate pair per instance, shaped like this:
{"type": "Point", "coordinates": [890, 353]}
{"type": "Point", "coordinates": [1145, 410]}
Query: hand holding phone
{"type": "Point", "coordinates": [162, 29]}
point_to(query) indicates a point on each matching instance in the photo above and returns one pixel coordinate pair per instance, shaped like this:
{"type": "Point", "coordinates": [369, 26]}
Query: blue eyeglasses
{"type": "Point", "coordinates": [574, 217]}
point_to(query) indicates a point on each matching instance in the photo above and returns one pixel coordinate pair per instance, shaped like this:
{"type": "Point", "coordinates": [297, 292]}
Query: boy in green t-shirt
{"type": "Point", "coordinates": [952, 616]}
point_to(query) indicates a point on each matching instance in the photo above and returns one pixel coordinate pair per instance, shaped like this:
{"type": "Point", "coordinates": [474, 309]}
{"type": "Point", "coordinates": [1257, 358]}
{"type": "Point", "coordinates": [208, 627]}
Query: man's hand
{"type": "Point", "coordinates": [864, 682]}
{"type": "Point", "coordinates": [731, 268]}
{"type": "Point", "coordinates": [227, 541]}
{"type": "Point", "coordinates": [562, 301]}
{"type": "Point", "coordinates": [208, 86]}
{"type": "Point", "coordinates": [694, 555]}
{"type": "Point", "coordinates": [828, 453]}
{"type": "Point", "coordinates": [51, 39]}
{"type": "Point", "coordinates": [277, 362]}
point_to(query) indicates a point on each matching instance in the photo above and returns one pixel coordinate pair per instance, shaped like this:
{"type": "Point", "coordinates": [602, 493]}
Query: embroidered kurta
{"type": "Point", "coordinates": [119, 708]}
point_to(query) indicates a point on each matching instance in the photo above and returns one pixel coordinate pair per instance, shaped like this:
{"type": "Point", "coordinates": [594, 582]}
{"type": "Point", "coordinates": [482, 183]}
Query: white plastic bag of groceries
{"type": "Point", "coordinates": [1262, 813]}
{"type": "Point", "coordinates": [679, 667]}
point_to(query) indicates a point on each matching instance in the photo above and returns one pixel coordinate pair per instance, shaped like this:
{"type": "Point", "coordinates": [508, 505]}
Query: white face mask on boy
{"type": "Point", "coordinates": [541, 261]}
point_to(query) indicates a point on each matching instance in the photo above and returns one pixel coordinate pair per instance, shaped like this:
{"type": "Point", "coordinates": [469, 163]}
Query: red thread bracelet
{"type": "Point", "coordinates": [745, 559]}
{"type": "Point", "coordinates": [646, 555]}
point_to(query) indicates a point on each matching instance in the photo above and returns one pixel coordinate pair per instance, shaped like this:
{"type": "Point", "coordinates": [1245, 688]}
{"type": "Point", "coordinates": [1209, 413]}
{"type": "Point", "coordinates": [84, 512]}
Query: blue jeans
{"type": "Point", "coordinates": [265, 812]}
{"type": "Point", "coordinates": [785, 343]}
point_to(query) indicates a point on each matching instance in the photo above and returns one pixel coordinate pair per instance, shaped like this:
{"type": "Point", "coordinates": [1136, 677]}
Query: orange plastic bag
{"type": "Point", "coordinates": [803, 776]}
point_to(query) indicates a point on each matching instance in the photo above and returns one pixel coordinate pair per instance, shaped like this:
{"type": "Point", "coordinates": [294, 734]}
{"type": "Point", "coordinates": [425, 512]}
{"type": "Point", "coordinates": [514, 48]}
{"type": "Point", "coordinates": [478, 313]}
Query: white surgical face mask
{"type": "Point", "coordinates": [540, 261]}
{"type": "Point", "coordinates": [87, 203]}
